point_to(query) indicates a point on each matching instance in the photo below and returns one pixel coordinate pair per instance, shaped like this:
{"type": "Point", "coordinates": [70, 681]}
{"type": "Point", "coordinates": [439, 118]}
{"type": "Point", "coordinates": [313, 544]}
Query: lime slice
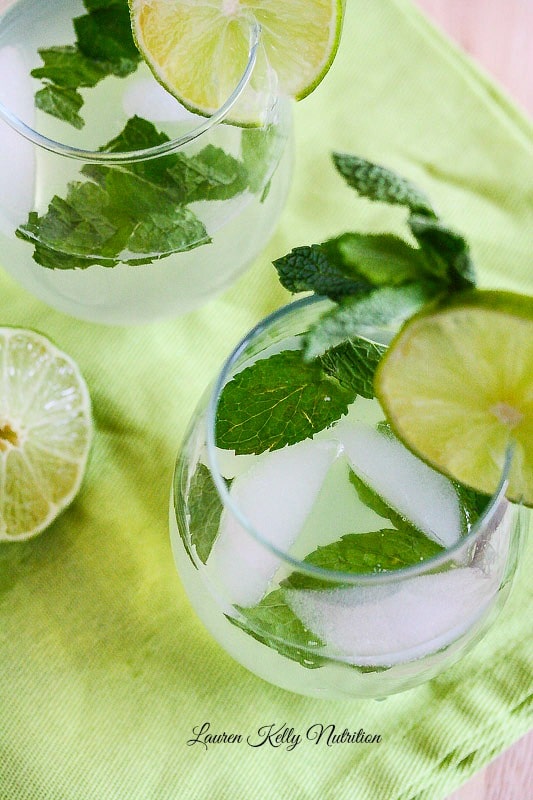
{"type": "Point", "coordinates": [457, 387]}
{"type": "Point", "coordinates": [45, 432]}
{"type": "Point", "coordinates": [199, 49]}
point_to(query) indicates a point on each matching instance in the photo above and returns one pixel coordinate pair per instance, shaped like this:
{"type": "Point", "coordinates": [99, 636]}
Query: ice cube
{"type": "Point", "coordinates": [425, 497]}
{"type": "Point", "coordinates": [17, 154]}
{"type": "Point", "coordinates": [388, 624]}
{"type": "Point", "coordinates": [275, 495]}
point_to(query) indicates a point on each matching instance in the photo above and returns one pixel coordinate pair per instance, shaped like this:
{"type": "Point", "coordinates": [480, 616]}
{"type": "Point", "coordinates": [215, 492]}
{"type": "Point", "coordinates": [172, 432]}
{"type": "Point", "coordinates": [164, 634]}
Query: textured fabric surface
{"type": "Point", "coordinates": [104, 668]}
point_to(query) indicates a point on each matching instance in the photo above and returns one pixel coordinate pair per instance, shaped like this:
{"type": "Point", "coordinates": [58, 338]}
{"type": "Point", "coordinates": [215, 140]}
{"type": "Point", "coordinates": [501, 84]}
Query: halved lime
{"type": "Point", "coordinates": [199, 49]}
{"type": "Point", "coordinates": [45, 432]}
{"type": "Point", "coordinates": [457, 387]}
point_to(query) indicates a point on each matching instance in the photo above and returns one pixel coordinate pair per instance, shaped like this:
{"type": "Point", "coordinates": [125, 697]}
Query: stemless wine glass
{"type": "Point", "coordinates": [133, 208]}
{"type": "Point", "coordinates": [268, 551]}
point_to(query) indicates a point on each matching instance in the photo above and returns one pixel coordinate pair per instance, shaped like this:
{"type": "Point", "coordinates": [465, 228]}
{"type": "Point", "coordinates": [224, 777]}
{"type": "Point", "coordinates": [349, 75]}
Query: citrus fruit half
{"type": "Point", "coordinates": [457, 386]}
{"type": "Point", "coordinates": [199, 49]}
{"type": "Point", "coordinates": [45, 432]}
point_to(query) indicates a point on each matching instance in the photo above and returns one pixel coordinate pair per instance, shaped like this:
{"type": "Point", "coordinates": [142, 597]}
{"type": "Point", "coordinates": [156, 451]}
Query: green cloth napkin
{"type": "Point", "coordinates": [104, 668]}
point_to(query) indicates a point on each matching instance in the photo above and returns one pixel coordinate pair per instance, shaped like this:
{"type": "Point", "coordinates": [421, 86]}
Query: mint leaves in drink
{"type": "Point", "coordinates": [133, 213]}
{"type": "Point", "coordinates": [104, 46]}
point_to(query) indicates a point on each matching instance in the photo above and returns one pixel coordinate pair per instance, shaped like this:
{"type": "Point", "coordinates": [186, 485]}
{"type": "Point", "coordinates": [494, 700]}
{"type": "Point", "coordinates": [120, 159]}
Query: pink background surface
{"type": "Point", "coordinates": [498, 34]}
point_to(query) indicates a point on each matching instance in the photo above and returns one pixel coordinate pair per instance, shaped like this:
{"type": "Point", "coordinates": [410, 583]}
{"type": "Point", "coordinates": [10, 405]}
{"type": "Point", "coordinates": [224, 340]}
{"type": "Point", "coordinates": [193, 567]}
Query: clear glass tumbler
{"type": "Point", "coordinates": [281, 554]}
{"type": "Point", "coordinates": [129, 207]}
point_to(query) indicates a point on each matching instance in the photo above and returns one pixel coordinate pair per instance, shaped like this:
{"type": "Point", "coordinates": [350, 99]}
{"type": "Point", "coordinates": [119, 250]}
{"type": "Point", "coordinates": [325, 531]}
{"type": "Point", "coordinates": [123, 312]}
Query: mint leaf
{"type": "Point", "coordinates": [211, 174]}
{"type": "Point", "coordinates": [311, 269]}
{"type": "Point", "coordinates": [370, 553]}
{"type": "Point", "coordinates": [204, 509]}
{"type": "Point", "coordinates": [446, 251]}
{"type": "Point", "coordinates": [60, 102]}
{"type": "Point", "coordinates": [370, 498]}
{"type": "Point", "coordinates": [104, 46]}
{"type": "Point", "coordinates": [68, 67]}
{"type": "Point", "coordinates": [381, 184]}
{"type": "Point", "coordinates": [104, 35]}
{"type": "Point", "coordinates": [273, 623]}
{"type": "Point", "coordinates": [384, 309]}
{"type": "Point", "coordinates": [258, 151]}
{"type": "Point", "coordinates": [473, 504]}
{"type": "Point", "coordinates": [353, 363]}
{"type": "Point", "coordinates": [381, 259]}
{"type": "Point", "coordinates": [278, 401]}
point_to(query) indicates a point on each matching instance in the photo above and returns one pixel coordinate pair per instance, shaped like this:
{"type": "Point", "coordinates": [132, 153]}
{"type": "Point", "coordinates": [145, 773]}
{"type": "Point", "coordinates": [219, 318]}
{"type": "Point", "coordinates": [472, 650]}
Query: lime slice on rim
{"type": "Point", "coordinates": [457, 387]}
{"type": "Point", "coordinates": [198, 49]}
{"type": "Point", "coordinates": [45, 432]}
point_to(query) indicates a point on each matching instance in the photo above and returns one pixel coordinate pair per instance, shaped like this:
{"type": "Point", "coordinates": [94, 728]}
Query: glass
{"type": "Point", "coordinates": [241, 526]}
{"type": "Point", "coordinates": [169, 217]}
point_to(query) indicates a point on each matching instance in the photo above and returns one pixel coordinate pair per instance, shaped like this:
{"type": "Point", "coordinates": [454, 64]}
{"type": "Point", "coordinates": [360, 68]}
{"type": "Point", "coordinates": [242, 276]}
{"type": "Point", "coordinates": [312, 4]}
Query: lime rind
{"type": "Point", "coordinates": [45, 405]}
{"type": "Point", "coordinates": [457, 387]}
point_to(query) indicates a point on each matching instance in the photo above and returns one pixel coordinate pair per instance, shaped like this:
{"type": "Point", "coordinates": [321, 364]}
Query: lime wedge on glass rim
{"type": "Point", "coordinates": [199, 49]}
{"type": "Point", "coordinates": [457, 386]}
{"type": "Point", "coordinates": [45, 432]}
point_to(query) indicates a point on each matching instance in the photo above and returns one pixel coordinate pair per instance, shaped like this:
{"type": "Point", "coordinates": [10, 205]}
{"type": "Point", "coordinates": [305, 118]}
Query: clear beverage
{"type": "Point", "coordinates": [140, 249]}
{"type": "Point", "coordinates": [286, 556]}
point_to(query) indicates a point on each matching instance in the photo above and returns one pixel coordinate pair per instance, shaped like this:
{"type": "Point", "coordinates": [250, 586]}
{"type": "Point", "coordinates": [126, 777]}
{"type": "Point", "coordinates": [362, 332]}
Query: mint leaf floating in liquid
{"type": "Point", "coordinates": [132, 213]}
{"type": "Point", "coordinates": [204, 512]}
{"type": "Point", "coordinates": [278, 401]}
{"type": "Point", "coordinates": [366, 554]}
{"type": "Point", "coordinates": [273, 623]}
{"type": "Point", "coordinates": [104, 47]}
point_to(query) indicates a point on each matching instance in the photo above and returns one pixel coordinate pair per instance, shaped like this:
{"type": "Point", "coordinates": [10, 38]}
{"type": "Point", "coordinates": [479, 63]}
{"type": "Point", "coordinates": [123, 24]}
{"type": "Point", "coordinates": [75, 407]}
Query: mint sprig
{"type": "Point", "coordinates": [104, 46]}
{"type": "Point", "coordinates": [133, 213]}
{"type": "Point", "coordinates": [377, 280]}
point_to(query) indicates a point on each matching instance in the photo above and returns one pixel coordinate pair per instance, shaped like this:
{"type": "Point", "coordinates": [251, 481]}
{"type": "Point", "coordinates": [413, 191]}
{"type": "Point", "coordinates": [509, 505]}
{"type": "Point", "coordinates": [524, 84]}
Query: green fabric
{"type": "Point", "coordinates": [104, 668]}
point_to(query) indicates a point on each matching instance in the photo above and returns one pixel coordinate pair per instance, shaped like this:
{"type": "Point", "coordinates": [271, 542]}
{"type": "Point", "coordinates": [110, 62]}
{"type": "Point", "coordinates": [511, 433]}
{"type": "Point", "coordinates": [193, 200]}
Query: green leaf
{"type": "Point", "coordinates": [370, 498]}
{"type": "Point", "coordinates": [353, 364]}
{"type": "Point", "coordinates": [380, 312]}
{"type": "Point", "coordinates": [381, 184]}
{"type": "Point", "coordinates": [473, 505]}
{"type": "Point", "coordinates": [446, 251]}
{"type": "Point", "coordinates": [370, 553]}
{"type": "Point", "coordinates": [68, 67]}
{"type": "Point", "coordinates": [312, 269]}
{"type": "Point", "coordinates": [104, 47]}
{"type": "Point", "coordinates": [60, 102]}
{"type": "Point", "coordinates": [105, 35]}
{"type": "Point", "coordinates": [205, 509]}
{"type": "Point", "coordinates": [211, 174]}
{"type": "Point", "coordinates": [273, 623]}
{"type": "Point", "coordinates": [381, 259]}
{"type": "Point", "coordinates": [258, 151]}
{"type": "Point", "coordinates": [159, 233]}
{"type": "Point", "coordinates": [278, 401]}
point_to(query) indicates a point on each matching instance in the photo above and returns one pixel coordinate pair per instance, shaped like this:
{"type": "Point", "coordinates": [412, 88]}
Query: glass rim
{"type": "Point", "coordinates": [131, 156]}
{"type": "Point", "coordinates": [334, 576]}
